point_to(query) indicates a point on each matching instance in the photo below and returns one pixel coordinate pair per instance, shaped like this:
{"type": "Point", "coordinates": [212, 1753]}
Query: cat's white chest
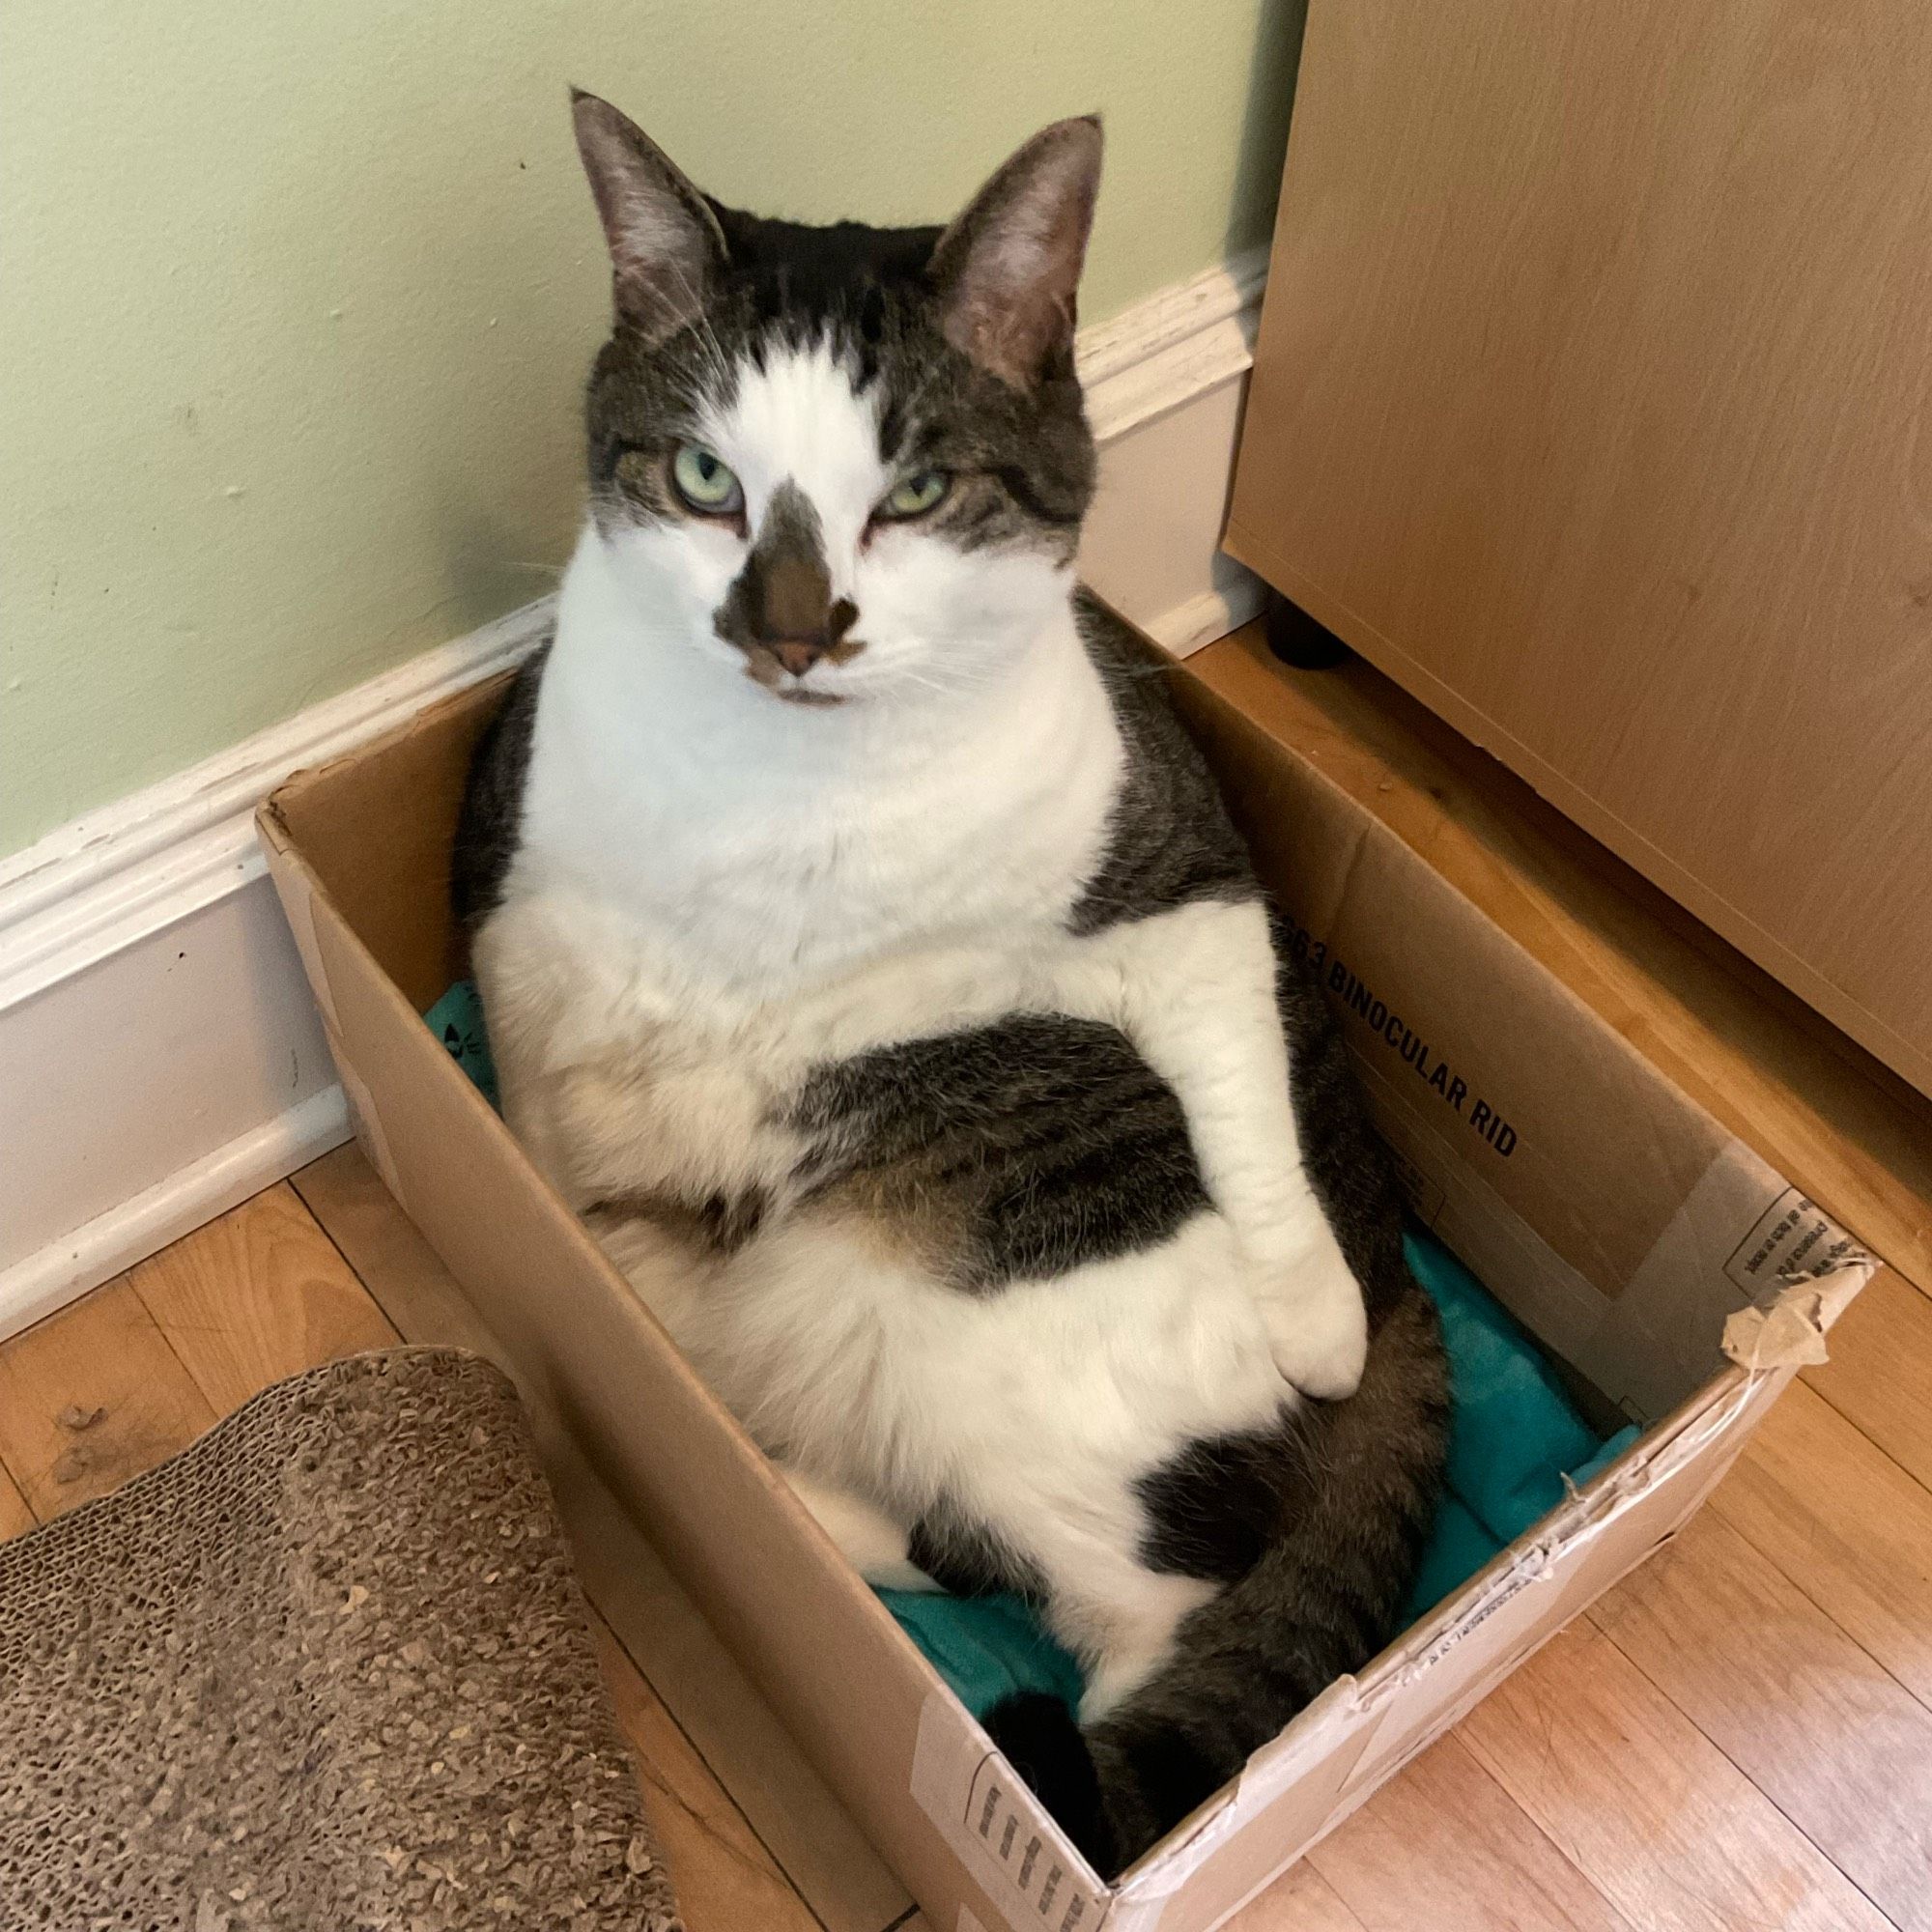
{"type": "Point", "coordinates": [747, 919]}
{"type": "Point", "coordinates": [763, 852]}
{"type": "Point", "coordinates": [716, 893]}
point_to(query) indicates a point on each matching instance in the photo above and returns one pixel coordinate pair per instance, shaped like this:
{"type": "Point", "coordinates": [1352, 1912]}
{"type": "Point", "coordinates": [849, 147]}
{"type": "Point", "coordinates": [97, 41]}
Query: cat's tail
{"type": "Point", "coordinates": [1324, 1599]}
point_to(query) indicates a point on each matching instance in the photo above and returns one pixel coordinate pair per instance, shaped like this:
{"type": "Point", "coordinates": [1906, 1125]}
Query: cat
{"type": "Point", "coordinates": [870, 958]}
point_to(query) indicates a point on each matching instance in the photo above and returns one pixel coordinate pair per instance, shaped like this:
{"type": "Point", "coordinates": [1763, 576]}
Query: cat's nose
{"type": "Point", "coordinates": [798, 655]}
{"type": "Point", "coordinates": [799, 650]}
{"type": "Point", "coordinates": [783, 604]}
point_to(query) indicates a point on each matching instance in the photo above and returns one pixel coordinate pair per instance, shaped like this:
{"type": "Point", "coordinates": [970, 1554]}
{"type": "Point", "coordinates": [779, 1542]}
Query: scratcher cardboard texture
{"type": "Point", "coordinates": [1681, 1279]}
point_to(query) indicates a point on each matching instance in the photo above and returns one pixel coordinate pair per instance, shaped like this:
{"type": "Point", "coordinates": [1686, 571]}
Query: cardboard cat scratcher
{"type": "Point", "coordinates": [329, 1667]}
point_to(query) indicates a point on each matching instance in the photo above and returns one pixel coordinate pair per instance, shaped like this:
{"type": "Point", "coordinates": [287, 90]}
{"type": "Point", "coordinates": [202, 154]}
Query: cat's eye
{"type": "Point", "coordinates": [923, 491]}
{"type": "Point", "coordinates": [705, 481]}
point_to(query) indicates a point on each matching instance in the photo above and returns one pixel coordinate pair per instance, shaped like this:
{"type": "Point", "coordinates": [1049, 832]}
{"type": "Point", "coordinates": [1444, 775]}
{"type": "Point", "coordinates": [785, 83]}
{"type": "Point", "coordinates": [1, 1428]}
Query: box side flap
{"type": "Point", "coordinates": [294, 887]}
{"type": "Point", "coordinates": [1610, 1213]}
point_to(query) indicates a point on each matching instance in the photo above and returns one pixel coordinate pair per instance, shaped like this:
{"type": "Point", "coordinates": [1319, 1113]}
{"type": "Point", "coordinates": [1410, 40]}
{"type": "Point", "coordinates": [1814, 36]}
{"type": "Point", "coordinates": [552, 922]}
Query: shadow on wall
{"type": "Point", "coordinates": [1264, 118]}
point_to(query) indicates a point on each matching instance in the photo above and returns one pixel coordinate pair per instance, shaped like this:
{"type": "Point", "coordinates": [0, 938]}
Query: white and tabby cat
{"type": "Point", "coordinates": [869, 957]}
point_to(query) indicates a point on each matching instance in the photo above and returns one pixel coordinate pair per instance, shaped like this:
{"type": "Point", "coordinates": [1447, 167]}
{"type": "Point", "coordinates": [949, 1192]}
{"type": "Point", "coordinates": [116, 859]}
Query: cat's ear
{"type": "Point", "coordinates": [1007, 267]}
{"type": "Point", "coordinates": [665, 240]}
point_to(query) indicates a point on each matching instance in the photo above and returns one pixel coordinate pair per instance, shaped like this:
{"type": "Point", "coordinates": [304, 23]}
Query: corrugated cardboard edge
{"type": "Point", "coordinates": [295, 889]}
{"type": "Point", "coordinates": [1001, 1833]}
{"type": "Point", "coordinates": [292, 888]}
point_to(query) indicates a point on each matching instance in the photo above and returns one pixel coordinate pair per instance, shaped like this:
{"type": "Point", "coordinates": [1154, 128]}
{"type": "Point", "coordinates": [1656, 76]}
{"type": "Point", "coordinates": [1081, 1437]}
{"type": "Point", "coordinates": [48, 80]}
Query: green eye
{"type": "Point", "coordinates": [918, 494]}
{"type": "Point", "coordinates": [704, 482]}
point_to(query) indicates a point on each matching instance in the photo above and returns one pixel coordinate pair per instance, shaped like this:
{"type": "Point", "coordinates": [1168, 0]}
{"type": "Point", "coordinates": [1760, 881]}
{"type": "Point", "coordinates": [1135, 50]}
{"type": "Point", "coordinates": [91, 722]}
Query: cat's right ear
{"type": "Point", "coordinates": [666, 244]}
{"type": "Point", "coordinates": [1007, 267]}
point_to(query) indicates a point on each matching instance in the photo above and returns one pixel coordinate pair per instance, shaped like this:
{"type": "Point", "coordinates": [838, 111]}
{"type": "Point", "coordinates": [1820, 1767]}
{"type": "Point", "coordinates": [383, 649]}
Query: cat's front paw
{"type": "Point", "coordinates": [1318, 1324]}
{"type": "Point", "coordinates": [871, 1541]}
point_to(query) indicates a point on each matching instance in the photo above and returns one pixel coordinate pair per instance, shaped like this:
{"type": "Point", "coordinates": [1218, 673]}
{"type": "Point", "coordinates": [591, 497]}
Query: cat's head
{"type": "Point", "coordinates": [849, 464]}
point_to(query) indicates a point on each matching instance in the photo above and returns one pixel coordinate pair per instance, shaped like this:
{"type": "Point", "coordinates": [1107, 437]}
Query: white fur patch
{"type": "Point", "coordinates": [799, 419]}
{"type": "Point", "coordinates": [872, 1542]}
{"type": "Point", "coordinates": [1195, 991]}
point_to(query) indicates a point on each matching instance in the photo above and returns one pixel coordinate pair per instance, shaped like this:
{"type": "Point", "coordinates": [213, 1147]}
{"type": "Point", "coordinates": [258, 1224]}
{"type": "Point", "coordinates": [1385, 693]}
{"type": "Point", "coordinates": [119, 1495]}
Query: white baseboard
{"type": "Point", "coordinates": [87, 890]}
{"type": "Point", "coordinates": [161, 1058]}
{"type": "Point", "coordinates": [1165, 383]}
{"type": "Point", "coordinates": [1211, 614]}
{"type": "Point", "coordinates": [175, 1205]}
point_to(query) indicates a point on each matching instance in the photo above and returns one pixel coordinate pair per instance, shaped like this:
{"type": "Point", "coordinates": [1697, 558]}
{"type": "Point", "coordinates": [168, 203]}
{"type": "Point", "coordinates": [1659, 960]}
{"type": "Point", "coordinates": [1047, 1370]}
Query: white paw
{"type": "Point", "coordinates": [1318, 1324]}
{"type": "Point", "coordinates": [897, 1573]}
{"type": "Point", "coordinates": [871, 1542]}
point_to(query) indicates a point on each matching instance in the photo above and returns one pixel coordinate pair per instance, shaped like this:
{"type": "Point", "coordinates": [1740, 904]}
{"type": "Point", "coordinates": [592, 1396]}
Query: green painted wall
{"type": "Point", "coordinates": [296, 300]}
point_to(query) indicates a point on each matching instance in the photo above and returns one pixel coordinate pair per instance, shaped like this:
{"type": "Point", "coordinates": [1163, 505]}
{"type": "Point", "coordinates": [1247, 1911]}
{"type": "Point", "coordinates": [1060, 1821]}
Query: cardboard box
{"type": "Point", "coordinates": [1680, 1279]}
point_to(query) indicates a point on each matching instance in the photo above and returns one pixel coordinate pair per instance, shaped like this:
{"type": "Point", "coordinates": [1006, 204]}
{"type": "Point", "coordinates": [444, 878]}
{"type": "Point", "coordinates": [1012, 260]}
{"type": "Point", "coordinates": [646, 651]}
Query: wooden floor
{"type": "Point", "coordinates": [1738, 1737]}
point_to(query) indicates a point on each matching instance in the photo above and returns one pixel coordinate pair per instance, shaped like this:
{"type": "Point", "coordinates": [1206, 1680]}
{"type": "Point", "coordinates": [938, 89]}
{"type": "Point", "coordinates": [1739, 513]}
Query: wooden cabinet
{"type": "Point", "coordinates": [1593, 403]}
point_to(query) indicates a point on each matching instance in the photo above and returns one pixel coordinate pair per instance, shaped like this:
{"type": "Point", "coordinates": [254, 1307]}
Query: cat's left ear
{"type": "Point", "coordinates": [1007, 267]}
{"type": "Point", "coordinates": [665, 240]}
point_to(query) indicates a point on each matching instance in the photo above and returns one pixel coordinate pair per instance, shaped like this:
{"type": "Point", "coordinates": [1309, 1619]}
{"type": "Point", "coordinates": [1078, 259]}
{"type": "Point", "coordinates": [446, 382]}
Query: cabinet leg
{"type": "Point", "coordinates": [1297, 639]}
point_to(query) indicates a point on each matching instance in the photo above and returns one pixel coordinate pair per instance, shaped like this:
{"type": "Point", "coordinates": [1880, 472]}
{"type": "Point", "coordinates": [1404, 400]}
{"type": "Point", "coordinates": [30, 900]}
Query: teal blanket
{"type": "Point", "coordinates": [1515, 1436]}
